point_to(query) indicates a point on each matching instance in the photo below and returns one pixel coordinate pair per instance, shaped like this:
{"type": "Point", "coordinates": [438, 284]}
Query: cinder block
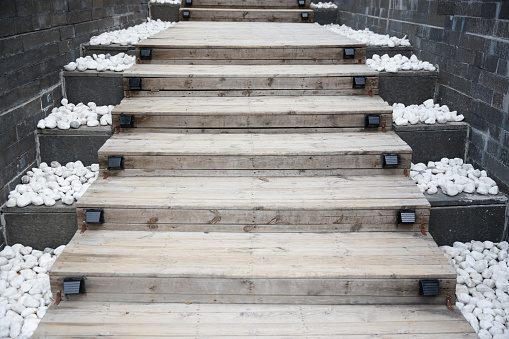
{"type": "Point", "coordinates": [326, 16]}
{"type": "Point", "coordinates": [407, 87]}
{"type": "Point", "coordinates": [467, 217]}
{"type": "Point", "coordinates": [103, 88]}
{"type": "Point", "coordinates": [164, 12]}
{"type": "Point", "coordinates": [40, 226]}
{"type": "Point", "coordinates": [73, 144]}
{"type": "Point", "coordinates": [434, 142]}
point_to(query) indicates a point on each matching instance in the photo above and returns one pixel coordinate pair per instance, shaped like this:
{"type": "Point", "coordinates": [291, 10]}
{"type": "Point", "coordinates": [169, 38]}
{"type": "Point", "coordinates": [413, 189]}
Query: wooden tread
{"type": "Point", "coordinates": [247, 14]}
{"type": "Point", "coordinates": [255, 204]}
{"type": "Point", "coordinates": [334, 153]}
{"type": "Point", "coordinates": [196, 42]}
{"type": "Point", "coordinates": [265, 114]}
{"type": "Point", "coordinates": [252, 80]}
{"type": "Point", "coordinates": [295, 268]}
{"type": "Point", "coordinates": [127, 320]}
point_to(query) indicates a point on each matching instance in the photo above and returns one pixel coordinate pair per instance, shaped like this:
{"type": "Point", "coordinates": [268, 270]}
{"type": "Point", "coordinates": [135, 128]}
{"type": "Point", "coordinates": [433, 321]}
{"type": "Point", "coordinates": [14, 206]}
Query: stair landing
{"type": "Point", "coordinates": [72, 320]}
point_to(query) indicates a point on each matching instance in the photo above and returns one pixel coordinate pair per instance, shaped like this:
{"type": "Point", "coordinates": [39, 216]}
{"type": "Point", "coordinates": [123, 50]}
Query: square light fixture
{"type": "Point", "coordinates": [135, 84]}
{"type": "Point", "coordinates": [94, 216]}
{"type": "Point", "coordinates": [186, 14]}
{"type": "Point", "coordinates": [406, 217]}
{"type": "Point", "coordinates": [372, 120]}
{"type": "Point", "coordinates": [115, 162]}
{"type": "Point", "coordinates": [429, 287]}
{"type": "Point", "coordinates": [359, 82]}
{"type": "Point", "coordinates": [146, 53]}
{"type": "Point", "coordinates": [126, 121]}
{"type": "Point", "coordinates": [74, 286]}
{"type": "Point", "coordinates": [348, 53]}
{"type": "Point", "coordinates": [390, 160]}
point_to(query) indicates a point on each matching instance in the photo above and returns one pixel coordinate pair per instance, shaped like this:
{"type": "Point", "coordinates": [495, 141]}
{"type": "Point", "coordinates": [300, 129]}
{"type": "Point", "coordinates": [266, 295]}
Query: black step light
{"type": "Point", "coordinates": [428, 287]}
{"type": "Point", "coordinates": [301, 3]}
{"type": "Point", "coordinates": [146, 53]}
{"type": "Point", "coordinates": [135, 84]}
{"type": "Point", "coordinates": [115, 162]}
{"type": "Point", "coordinates": [94, 216]}
{"type": "Point", "coordinates": [126, 121]}
{"type": "Point", "coordinates": [189, 2]}
{"type": "Point", "coordinates": [406, 217]}
{"type": "Point", "coordinates": [186, 14]}
{"type": "Point", "coordinates": [372, 120]}
{"type": "Point", "coordinates": [389, 160]}
{"type": "Point", "coordinates": [74, 286]}
{"type": "Point", "coordinates": [348, 53]}
{"type": "Point", "coordinates": [359, 82]}
{"type": "Point", "coordinates": [304, 15]}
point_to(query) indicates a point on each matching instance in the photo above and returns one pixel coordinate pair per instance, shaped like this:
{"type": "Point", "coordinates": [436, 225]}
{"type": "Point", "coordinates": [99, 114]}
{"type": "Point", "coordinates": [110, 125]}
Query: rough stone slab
{"type": "Point", "coordinates": [434, 142]}
{"type": "Point", "coordinates": [467, 217]}
{"type": "Point", "coordinates": [326, 16]}
{"type": "Point", "coordinates": [103, 88]}
{"type": "Point", "coordinates": [164, 12]}
{"type": "Point", "coordinates": [71, 145]}
{"type": "Point", "coordinates": [40, 226]}
{"type": "Point", "coordinates": [407, 87]}
{"type": "Point", "coordinates": [113, 49]}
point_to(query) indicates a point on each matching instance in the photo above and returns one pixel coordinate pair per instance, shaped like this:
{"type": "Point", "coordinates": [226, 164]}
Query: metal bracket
{"type": "Point", "coordinates": [59, 297]}
{"type": "Point", "coordinates": [423, 229]}
{"type": "Point", "coordinates": [83, 226]}
{"type": "Point", "coordinates": [448, 303]}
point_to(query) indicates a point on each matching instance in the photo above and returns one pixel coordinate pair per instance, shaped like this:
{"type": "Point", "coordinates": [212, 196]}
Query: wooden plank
{"type": "Point", "coordinates": [125, 320]}
{"type": "Point", "coordinates": [248, 3]}
{"type": "Point", "coordinates": [247, 14]}
{"type": "Point", "coordinates": [253, 93]}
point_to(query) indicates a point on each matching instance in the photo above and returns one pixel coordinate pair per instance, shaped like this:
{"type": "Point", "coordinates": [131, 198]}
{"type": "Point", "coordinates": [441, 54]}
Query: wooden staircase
{"type": "Point", "coordinates": [247, 10]}
{"type": "Point", "coordinates": [243, 200]}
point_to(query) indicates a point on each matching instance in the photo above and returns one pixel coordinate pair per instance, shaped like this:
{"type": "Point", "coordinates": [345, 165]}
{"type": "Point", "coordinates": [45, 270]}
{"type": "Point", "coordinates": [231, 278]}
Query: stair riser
{"type": "Point", "coordinates": [265, 162]}
{"type": "Point", "coordinates": [253, 221]}
{"type": "Point", "coordinates": [277, 291]}
{"type": "Point", "coordinates": [248, 4]}
{"type": "Point", "coordinates": [250, 86]}
{"type": "Point", "coordinates": [247, 16]}
{"type": "Point", "coordinates": [252, 56]}
{"type": "Point", "coordinates": [239, 122]}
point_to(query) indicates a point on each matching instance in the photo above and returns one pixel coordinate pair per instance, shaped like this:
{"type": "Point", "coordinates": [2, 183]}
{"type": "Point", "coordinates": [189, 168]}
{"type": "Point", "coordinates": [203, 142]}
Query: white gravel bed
{"type": "Point", "coordinates": [131, 35]}
{"type": "Point", "coordinates": [323, 5]}
{"type": "Point", "coordinates": [428, 113]}
{"type": "Point", "coordinates": [25, 293]}
{"type": "Point", "coordinates": [45, 185]}
{"type": "Point", "coordinates": [482, 285]}
{"type": "Point", "coordinates": [102, 62]}
{"type": "Point", "coordinates": [453, 177]}
{"type": "Point", "coordinates": [73, 116]}
{"type": "Point", "coordinates": [397, 63]}
{"type": "Point", "coordinates": [368, 37]}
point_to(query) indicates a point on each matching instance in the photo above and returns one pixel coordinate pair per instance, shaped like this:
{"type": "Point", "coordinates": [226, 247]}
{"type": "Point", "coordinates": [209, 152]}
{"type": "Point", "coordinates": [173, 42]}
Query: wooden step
{"type": "Point", "coordinates": [121, 320]}
{"type": "Point", "coordinates": [253, 80]}
{"type": "Point", "coordinates": [254, 204]}
{"type": "Point", "coordinates": [253, 114]}
{"type": "Point", "coordinates": [349, 153]}
{"type": "Point", "coordinates": [196, 42]}
{"type": "Point", "coordinates": [295, 268]}
{"type": "Point", "coordinates": [247, 14]}
{"type": "Point", "coordinates": [247, 4]}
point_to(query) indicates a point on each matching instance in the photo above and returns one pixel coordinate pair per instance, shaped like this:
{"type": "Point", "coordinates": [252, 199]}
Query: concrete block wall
{"type": "Point", "coordinates": [469, 41]}
{"type": "Point", "coordinates": [38, 37]}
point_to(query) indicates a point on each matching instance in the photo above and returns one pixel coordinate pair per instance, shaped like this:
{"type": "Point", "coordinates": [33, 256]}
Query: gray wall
{"type": "Point", "coordinates": [38, 37]}
{"type": "Point", "coordinates": [469, 40]}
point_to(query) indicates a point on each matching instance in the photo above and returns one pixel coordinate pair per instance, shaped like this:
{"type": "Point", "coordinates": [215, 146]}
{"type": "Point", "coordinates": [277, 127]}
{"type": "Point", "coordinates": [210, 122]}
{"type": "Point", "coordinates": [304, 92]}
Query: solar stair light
{"type": "Point", "coordinates": [115, 162]}
{"type": "Point", "coordinates": [301, 3]}
{"type": "Point", "coordinates": [189, 2]}
{"type": "Point", "coordinates": [126, 121]}
{"type": "Point", "coordinates": [135, 84]}
{"type": "Point", "coordinates": [389, 160]}
{"type": "Point", "coordinates": [348, 53]}
{"type": "Point", "coordinates": [186, 14]}
{"type": "Point", "coordinates": [146, 53]}
{"type": "Point", "coordinates": [429, 287]}
{"type": "Point", "coordinates": [373, 120]}
{"type": "Point", "coordinates": [304, 15]}
{"type": "Point", "coordinates": [94, 216]}
{"type": "Point", "coordinates": [406, 217]}
{"type": "Point", "coordinates": [74, 286]}
{"type": "Point", "coordinates": [359, 82]}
